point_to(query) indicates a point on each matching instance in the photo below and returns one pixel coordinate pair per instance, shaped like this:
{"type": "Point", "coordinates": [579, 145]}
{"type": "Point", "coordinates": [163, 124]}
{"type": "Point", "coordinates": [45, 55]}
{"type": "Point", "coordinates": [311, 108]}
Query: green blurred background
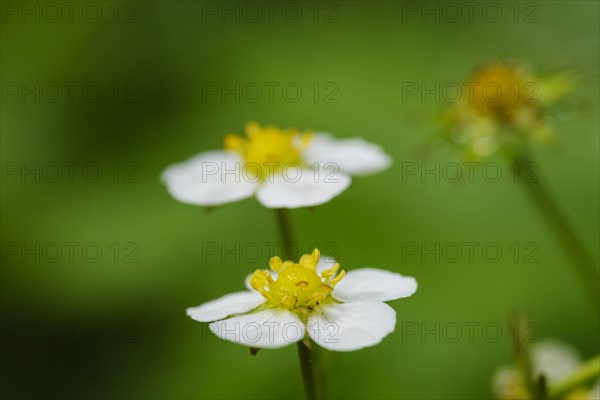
{"type": "Point", "coordinates": [74, 328]}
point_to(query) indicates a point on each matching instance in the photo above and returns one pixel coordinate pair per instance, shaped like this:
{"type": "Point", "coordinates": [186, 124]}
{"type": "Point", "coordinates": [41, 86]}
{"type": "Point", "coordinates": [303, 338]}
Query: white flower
{"type": "Point", "coordinates": [553, 359]}
{"type": "Point", "coordinates": [282, 168]}
{"type": "Point", "coordinates": [339, 311]}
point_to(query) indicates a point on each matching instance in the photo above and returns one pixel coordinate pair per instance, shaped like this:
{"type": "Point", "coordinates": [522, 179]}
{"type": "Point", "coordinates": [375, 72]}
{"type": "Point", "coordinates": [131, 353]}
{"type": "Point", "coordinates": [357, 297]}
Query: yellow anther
{"type": "Point", "coordinates": [269, 278]}
{"type": "Point", "coordinates": [268, 148]}
{"type": "Point", "coordinates": [316, 255]}
{"type": "Point", "coordinates": [259, 280]}
{"type": "Point", "coordinates": [234, 143]}
{"type": "Point", "coordinates": [297, 287]}
{"type": "Point", "coordinates": [252, 128]}
{"type": "Point", "coordinates": [305, 261]}
{"type": "Point", "coordinates": [338, 278]}
{"type": "Point", "coordinates": [310, 260]}
{"type": "Point", "coordinates": [276, 264]}
{"type": "Point", "coordinates": [328, 273]}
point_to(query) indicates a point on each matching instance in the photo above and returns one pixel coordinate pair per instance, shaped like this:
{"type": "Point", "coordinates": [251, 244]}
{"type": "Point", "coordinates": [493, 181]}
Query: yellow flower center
{"type": "Point", "coordinates": [268, 149]}
{"type": "Point", "coordinates": [298, 287]}
{"type": "Point", "coordinates": [501, 91]}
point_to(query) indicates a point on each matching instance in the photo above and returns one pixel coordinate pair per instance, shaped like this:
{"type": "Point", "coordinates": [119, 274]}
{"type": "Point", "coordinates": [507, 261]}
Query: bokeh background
{"type": "Point", "coordinates": [114, 325]}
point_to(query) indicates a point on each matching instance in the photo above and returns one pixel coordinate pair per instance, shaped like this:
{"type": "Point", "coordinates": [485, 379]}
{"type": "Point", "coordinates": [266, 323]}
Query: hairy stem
{"type": "Point", "coordinates": [306, 365]}
{"type": "Point", "coordinates": [571, 244]}
{"type": "Point", "coordinates": [304, 352]}
{"type": "Point", "coordinates": [286, 235]}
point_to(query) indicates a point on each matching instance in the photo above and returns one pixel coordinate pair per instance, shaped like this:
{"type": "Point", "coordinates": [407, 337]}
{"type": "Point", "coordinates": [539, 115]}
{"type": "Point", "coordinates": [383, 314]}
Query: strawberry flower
{"type": "Point", "coordinates": [282, 168]}
{"type": "Point", "coordinates": [311, 298]}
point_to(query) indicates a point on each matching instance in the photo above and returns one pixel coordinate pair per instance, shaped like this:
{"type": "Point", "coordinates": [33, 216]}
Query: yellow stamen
{"type": "Point", "coordinates": [310, 260]}
{"type": "Point", "coordinates": [298, 287]}
{"type": "Point", "coordinates": [276, 264]}
{"type": "Point", "coordinates": [234, 142]}
{"type": "Point", "coordinates": [338, 278]}
{"type": "Point", "coordinates": [259, 280]}
{"type": "Point", "coordinates": [328, 273]}
{"type": "Point", "coordinates": [269, 148]}
{"type": "Point", "coordinates": [252, 128]}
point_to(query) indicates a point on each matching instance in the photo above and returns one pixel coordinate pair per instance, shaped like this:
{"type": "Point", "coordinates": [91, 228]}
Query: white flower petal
{"type": "Point", "coordinates": [354, 156]}
{"type": "Point", "coordinates": [371, 284]}
{"type": "Point", "coordinates": [231, 304]}
{"type": "Point", "coordinates": [210, 178]}
{"type": "Point", "coordinates": [351, 326]}
{"type": "Point", "coordinates": [271, 328]}
{"type": "Point", "coordinates": [302, 188]}
{"type": "Point", "coordinates": [555, 359]}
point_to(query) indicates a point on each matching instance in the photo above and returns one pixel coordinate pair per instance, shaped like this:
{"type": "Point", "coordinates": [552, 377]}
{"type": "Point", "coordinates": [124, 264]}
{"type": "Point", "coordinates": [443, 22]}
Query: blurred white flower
{"type": "Point", "coordinates": [553, 359]}
{"type": "Point", "coordinates": [283, 168]}
{"type": "Point", "coordinates": [339, 311]}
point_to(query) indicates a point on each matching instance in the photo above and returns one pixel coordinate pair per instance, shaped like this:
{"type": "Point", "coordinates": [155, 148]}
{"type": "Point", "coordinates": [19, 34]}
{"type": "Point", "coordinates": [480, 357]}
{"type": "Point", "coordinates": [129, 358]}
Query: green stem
{"type": "Point", "coordinates": [306, 365]}
{"type": "Point", "coordinates": [584, 374]}
{"type": "Point", "coordinates": [284, 222]}
{"type": "Point", "coordinates": [304, 352]}
{"type": "Point", "coordinates": [522, 356]}
{"type": "Point", "coordinates": [576, 251]}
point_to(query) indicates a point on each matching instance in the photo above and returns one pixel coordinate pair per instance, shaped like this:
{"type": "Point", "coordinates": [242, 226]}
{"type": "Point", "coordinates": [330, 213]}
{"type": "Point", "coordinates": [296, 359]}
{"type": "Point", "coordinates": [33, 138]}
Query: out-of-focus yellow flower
{"type": "Point", "coordinates": [504, 108]}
